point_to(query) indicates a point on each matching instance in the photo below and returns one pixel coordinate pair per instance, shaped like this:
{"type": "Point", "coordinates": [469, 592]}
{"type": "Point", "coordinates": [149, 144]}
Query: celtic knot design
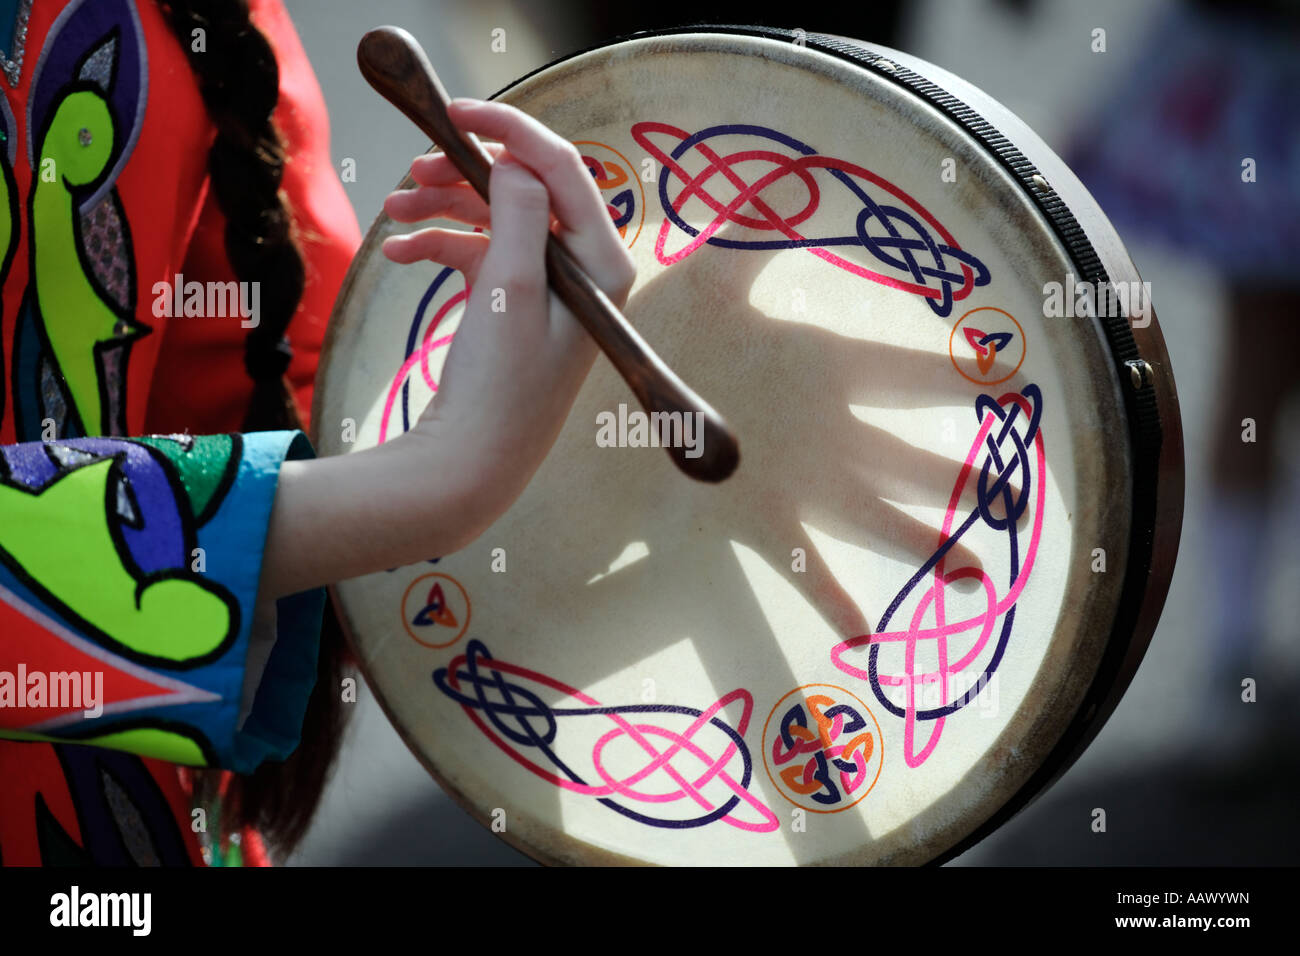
{"type": "Point", "coordinates": [730, 172]}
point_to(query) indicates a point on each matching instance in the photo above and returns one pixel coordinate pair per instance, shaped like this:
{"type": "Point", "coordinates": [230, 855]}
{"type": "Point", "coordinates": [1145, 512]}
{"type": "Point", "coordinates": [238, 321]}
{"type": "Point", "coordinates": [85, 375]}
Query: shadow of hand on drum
{"type": "Point", "coordinates": [666, 560]}
{"type": "Point", "coordinates": [807, 460]}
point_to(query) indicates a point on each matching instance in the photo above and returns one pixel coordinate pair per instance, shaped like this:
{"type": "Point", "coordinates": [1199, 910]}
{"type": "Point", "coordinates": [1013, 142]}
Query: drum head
{"type": "Point", "coordinates": [954, 518]}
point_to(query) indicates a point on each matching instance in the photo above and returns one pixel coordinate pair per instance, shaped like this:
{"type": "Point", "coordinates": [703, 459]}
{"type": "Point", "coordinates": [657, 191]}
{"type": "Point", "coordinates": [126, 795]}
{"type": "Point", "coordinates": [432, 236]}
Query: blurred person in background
{"type": "Point", "coordinates": [1201, 151]}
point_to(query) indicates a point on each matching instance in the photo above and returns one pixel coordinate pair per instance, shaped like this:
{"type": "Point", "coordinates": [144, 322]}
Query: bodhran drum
{"type": "Point", "coordinates": [954, 520]}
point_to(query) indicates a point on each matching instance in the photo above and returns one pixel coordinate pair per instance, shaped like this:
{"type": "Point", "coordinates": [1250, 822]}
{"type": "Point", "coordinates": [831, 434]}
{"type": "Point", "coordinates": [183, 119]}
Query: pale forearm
{"type": "Point", "coordinates": [399, 503]}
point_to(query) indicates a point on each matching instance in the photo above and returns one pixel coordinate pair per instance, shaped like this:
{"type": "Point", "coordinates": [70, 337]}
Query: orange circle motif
{"type": "Point", "coordinates": [619, 185]}
{"type": "Point", "coordinates": [431, 611]}
{"type": "Point", "coordinates": [991, 345]}
{"type": "Point", "coordinates": [822, 748]}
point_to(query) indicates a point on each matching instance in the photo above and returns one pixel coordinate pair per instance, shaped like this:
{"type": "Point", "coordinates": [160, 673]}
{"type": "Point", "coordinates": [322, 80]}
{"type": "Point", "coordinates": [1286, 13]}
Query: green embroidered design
{"type": "Point", "coordinates": [56, 533]}
{"type": "Point", "coordinates": [78, 322]}
{"type": "Point", "coordinates": [153, 742]}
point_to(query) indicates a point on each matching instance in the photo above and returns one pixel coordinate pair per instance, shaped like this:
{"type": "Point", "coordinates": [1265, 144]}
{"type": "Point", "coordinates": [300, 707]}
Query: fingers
{"type": "Point", "coordinates": [457, 201]}
{"type": "Point", "coordinates": [462, 251]}
{"type": "Point", "coordinates": [544, 163]}
{"type": "Point", "coordinates": [437, 169]}
{"type": "Point", "coordinates": [521, 219]}
{"type": "Point", "coordinates": [553, 159]}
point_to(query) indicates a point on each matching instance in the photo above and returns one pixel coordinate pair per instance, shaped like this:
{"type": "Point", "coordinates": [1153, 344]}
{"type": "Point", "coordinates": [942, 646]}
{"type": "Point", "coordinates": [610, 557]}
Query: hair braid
{"type": "Point", "coordinates": [239, 80]}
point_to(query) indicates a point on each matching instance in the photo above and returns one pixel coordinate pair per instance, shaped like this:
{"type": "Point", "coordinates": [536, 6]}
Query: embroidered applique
{"type": "Point", "coordinates": [15, 44]}
{"type": "Point", "coordinates": [77, 321]}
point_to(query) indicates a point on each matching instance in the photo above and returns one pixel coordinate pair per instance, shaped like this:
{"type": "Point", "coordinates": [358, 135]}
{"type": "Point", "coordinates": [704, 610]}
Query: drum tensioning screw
{"type": "Point", "coordinates": [1140, 373]}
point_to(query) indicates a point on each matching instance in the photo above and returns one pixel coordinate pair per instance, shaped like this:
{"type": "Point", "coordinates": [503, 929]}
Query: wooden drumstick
{"type": "Point", "coordinates": [396, 66]}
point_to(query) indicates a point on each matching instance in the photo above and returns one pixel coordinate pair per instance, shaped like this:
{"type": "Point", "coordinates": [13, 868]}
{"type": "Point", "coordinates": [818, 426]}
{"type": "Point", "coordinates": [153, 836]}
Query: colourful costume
{"type": "Point", "coordinates": [129, 567]}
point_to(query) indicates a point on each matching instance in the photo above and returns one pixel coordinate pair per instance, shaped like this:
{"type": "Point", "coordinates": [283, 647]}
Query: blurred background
{"type": "Point", "coordinates": [1158, 126]}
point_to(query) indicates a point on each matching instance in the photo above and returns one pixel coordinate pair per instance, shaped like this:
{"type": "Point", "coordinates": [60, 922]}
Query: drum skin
{"type": "Point", "coordinates": [953, 525]}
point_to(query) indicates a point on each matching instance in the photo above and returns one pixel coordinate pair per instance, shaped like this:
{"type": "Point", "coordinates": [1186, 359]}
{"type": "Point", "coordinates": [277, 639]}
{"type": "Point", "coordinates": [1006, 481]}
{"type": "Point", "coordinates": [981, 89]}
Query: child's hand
{"type": "Point", "coordinates": [508, 383]}
{"type": "Point", "coordinates": [511, 376]}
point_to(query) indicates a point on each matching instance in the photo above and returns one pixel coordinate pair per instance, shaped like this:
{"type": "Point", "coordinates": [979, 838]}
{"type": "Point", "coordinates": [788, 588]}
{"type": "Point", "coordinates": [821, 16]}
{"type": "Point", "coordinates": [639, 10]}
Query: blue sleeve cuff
{"type": "Point", "coordinates": [273, 727]}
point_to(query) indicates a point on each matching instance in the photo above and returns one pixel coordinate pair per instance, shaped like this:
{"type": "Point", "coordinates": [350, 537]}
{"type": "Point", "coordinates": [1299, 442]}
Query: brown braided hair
{"type": "Point", "coordinates": [239, 80]}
